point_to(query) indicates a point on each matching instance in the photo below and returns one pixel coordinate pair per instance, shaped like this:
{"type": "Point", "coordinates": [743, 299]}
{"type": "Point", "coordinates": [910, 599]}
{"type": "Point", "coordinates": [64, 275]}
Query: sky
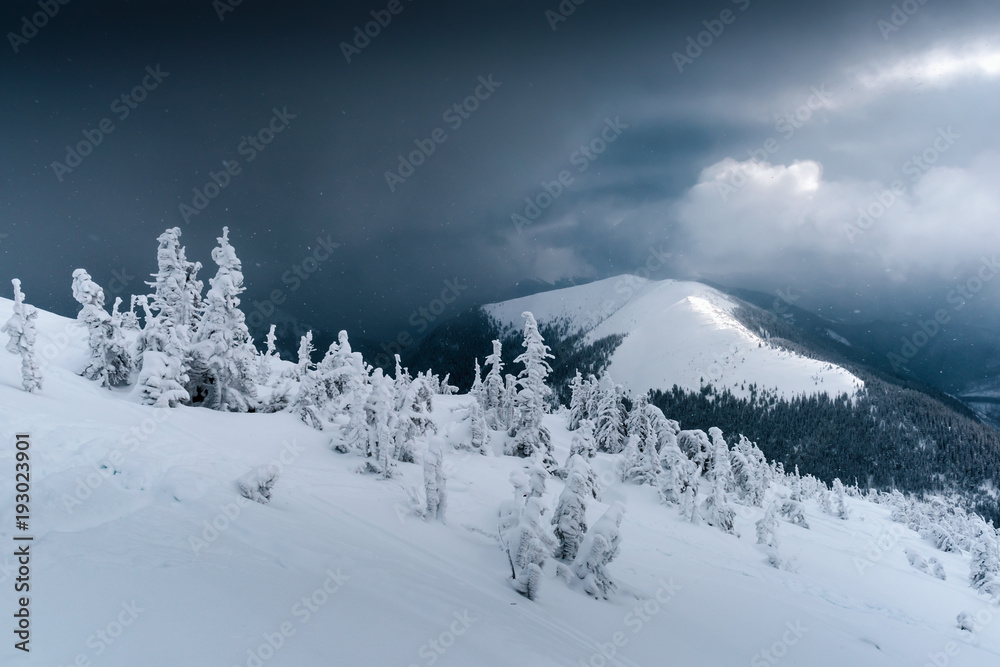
{"type": "Point", "coordinates": [463, 152]}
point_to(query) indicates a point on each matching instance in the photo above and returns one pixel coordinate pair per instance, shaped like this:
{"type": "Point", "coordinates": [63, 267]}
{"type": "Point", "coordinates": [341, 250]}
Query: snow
{"type": "Point", "coordinates": [160, 554]}
{"type": "Point", "coordinates": [677, 332]}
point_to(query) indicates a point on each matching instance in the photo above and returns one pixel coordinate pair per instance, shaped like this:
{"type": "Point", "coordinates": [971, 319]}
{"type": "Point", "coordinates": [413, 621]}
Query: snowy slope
{"type": "Point", "coordinates": [337, 570]}
{"type": "Point", "coordinates": [676, 332]}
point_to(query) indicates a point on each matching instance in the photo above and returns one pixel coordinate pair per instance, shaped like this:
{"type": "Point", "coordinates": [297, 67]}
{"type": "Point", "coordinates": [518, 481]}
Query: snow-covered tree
{"type": "Point", "coordinates": [223, 358]}
{"type": "Point", "coordinates": [767, 527]}
{"type": "Point", "coordinates": [717, 510]}
{"type": "Point", "coordinates": [413, 408]}
{"type": "Point", "coordinates": [351, 376]}
{"type": "Point", "coordinates": [256, 485]}
{"type": "Point", "coordinates": [265, 362]}
{"type": "Point", "coordinates": [530, 437]}
{"type": "Point", "coordinates": [719, 461]}
{"type": "Point", "coordinates": [570, 517]}
{"type": "Point", "coordinates": [435, 487]}
{"type": "Point", "coordinates": [110, 362]}
{"type": "Point", "coordinates": [751, 474]}
{"type": "Point", "coordinates": [838, 502]}
{"type": "Point", "coordinates": [494, 390]}
{"type": "Point", "coordinates": [641, 462]}
{"type": "Point", "coordinates": [610, 428]}
{"type": "Point", "coordinates": [794, 512]}
{"type": "Point", "coordinates": [528, 543]}
{"type": "Point", "coordinates": [508, 407]}
{"type": "Point", "coordinates": [578, 401]}
{"type": "Point", "coordinates": [599, 548]}
{"type": "Point", "coordinates": [380, 426]}
{"type": "Point", "coordinates": [21, 329]}
{"type": "Point", "coordinates": [583, 440]}
{"type": "Point", "coordinates": [477, 384]}
{"type": "Point", "coordinates": [678, 472]}
{"type": "Point", "coordinates": [305, 354]}
{"type": "Point", "coordinates": [479, 429]}
{"type": "Point", "coordinates": [697, 447]}
{"type": "Point", "coordinates": [984, 567]}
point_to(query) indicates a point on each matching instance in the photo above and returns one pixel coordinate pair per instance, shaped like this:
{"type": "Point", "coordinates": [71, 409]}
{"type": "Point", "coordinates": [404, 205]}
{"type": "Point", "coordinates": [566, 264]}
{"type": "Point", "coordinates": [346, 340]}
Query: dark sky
{"type": "Point", "coordinates": [677, 175]}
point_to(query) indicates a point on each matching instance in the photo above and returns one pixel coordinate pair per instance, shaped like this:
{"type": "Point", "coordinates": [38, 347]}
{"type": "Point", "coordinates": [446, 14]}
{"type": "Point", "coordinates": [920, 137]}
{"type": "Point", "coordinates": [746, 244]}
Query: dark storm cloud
{"type": "Point", "coordinates": [323, 176]}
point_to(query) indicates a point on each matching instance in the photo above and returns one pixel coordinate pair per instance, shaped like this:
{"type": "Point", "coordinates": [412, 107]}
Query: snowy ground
{"type": "Point", "coordinates": [677, 332]}
{"type": "Point", "coordinates": [337, 570]}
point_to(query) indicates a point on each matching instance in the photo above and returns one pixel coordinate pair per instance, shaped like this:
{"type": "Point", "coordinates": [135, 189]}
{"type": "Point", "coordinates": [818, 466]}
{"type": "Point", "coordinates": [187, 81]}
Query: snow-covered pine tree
{"type": "Point", "coordinates": [719, 460]}
{"type": "Point", "coordinates": [508, 408]}
{"type": "Point", "coordinates": [110, 362]}
{"type": "Point", "coordinates": [767, 527]}
{"type": "Point", "coordinates": [751, 474]}
{"type": "Point", "coordinates": [479, 429]}
{"type": "Point", "coordinates": [599, 548]}
{"type": "Point", "coordinates": [494, 390]}
{"type": "Point", "coordinates": [305, 354]}
{"type": "Point", "coordinates": [477, 384]}
{"type": "Point", "coordinates": [435, 486]}
{"type": "Point", "coordinates": [717, 510]}
{"type": "Point", "coordinates": [838, 501]}
{"type": "Point", "coordinates": [577, 401]}
{"type": "Point", "coordinates": [380, 426]}
{"type": "Point", "coordinates": [984, 566]}
{"type": "Point", "coordinates": [583, 440]}
{"type": "Point", "coordinates": [593, 395]}
{"type": "Point", "coordinates": [697, 447]}
{"type": "Point", "coordinates": [570, 517]}
{"type": "Point", "coordinates": [265, 362]}
{"type": "Point", "coordinates": [640, 463]}
{"type": "Point", "coordinates": [530, 437]}
{"type": "Point", "coordinates": [610, 429]}
{"type": "Point", "coordinates": [528, 544]}
{"type": "Point", "coordinates": [223, 358]}
{"type": "Point", "coordinates": [412, 416]}
{"type": "Point", "coordinates": [21, 329]}
{"type": "Point", "coordinates": [351, 376]}
{"type": "Point", "coordinates": [163, 346]}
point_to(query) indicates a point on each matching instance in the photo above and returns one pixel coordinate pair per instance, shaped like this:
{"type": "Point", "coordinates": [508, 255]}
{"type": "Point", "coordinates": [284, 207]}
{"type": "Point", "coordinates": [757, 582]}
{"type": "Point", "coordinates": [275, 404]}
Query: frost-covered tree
{"type": "Point", "coordinates": [794, 511]}
{"type": "Point", "coordinates": [223, 358]}
{"type": "Point", "coordinates": [530, 436]}
{"type": "Point", "coordinates": [305, 354]}
{"type": "Point", "coordinates": [717, 510]}
{"type": "Point", "coordinates": [610, 428]}
{"type": "Point", "coordinates": [265, 362]}
{"type": "Point", "coordinates": [494, 390]}
{"type": "Point", "coordinates": [110, 362]}
{"type": "Point", "coordinates": [583, 440]}
{"type": "Point", "coordinates": [719, 461]}
{"type": "Point", "coordinates": [697, 447]}
{"type": "Point", "coordinates": [984, 567]}
{"type": "Point", "coordinates": [767, 527]}
{"type": "Point", "coordinates": [21, 329]}
{"type": "Point", "coordinates": [677, 471]}
{"type": "Point", "coordinates": [478, 427]}
{"type": "Point", "coordinates": [435, 486]}
{"type": "Point", "coordinates": [527, 541]}
{"type": "Point", "coordinates": [751, 474]}
{"type": "Point", "coordinates": [351, 377]}
{"type": "Point", "coordinates": [477, 384]}
{"type": "Point", "coordinates": [508, 408]}
{"type": "Point", "coordinates": [570, 517]}
{"type": "Point", "coordinates": [380, 426]}
{"type": "Point", "coordinates": [838, 501]}
{"type": "Point", "coordinates": [413, 401]}
{"type": "Point", "coordinates": [578, 401]}
{"type": "Point", "coordinates": [599, 548]}
{"type": "Point", "coordinates": [163, 346]}
{"type": "Point", "coordinates": [641, 462]}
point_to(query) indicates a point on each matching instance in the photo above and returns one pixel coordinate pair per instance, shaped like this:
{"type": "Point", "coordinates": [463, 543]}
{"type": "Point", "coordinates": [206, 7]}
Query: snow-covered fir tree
{"type": "Point", "coordinates": [529, 544]}
{"type": "Point", "coordinates": [641, 462]}
{"type": "Point", "coordinates": [479, 429]}
{"type": "Point", "coordinates": [570, 516]}
{"type": "Point", "coordinates": [767, 527]}
{"type": "Point", "coordinates": [110, 362]}
{"type": "Point", "coordinates": [583, 440]}
{"type": "Point", "coordinates": [413, 418]}
{"type": "Point", "coordinates": [265, 363]}
{"type": "Point", "coordinates": [435, 487]}
{"type": "Point", "coordinates": [610, 426]}
{"type": "Point", "coordinates": [697, 447]}
{"type": "Point", "coordinates": [351, 376]}
{"type": "Point", "coordinates": [578, 401]}
{"type": "Point", "coordinates": [717, 510]}
{"type": "Point", "coordinates": [600, 546]}
{"type": "Point", "coordinates": [494, 390]}
{"type": "Point", "coordinates": [223, 358]}
{"type": "Point", "coordinates": [984, 567]}
{"type": "Point", "coordinates": [838, 501]}
{"type": "Point", "coordinates": [530, 437]}
{"type": "Point", "coordinates": [508, 407]}
{"type": "Point", "coordinates": [751, 474]}
{"type": "Point", "coordinates": [21, 329]}
{"type": "Point", "coordinates": [380, 426]}
{"type": "Point", "coordinates": [305, 354]}
{"type": "Point", "coordinates": [477, 384]}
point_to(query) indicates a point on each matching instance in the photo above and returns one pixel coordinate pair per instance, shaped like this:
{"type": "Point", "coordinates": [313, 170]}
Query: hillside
{"type": "Point", "coordinates": [145, 553]}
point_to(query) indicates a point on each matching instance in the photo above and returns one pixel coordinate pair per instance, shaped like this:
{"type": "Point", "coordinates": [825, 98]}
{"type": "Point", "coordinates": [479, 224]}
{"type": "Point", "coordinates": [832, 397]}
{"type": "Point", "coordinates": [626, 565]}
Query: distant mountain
{"type": "Point", "coordinates": [811, 392]}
